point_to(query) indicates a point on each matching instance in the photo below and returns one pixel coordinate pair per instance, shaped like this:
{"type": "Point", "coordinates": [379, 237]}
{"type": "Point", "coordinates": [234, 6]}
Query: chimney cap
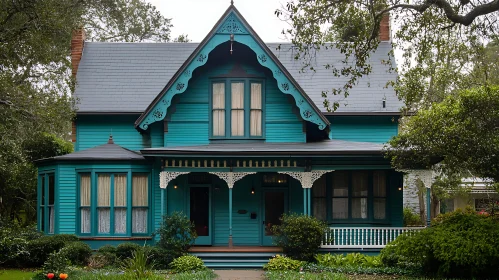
{"type": "Point", "coordinates": [110, 141]}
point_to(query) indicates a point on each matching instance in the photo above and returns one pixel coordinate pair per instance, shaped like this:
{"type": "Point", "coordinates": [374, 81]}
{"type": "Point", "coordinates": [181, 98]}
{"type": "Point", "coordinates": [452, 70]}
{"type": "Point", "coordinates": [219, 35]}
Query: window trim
{"type": "Point", "coordinates": [93, 202]}
{"type": "Point", "coordinates": [228, 108]}
{"type": "Point", "coordinates": [370, 199]}
{"type": "Point", "coordinates": [43, 178]}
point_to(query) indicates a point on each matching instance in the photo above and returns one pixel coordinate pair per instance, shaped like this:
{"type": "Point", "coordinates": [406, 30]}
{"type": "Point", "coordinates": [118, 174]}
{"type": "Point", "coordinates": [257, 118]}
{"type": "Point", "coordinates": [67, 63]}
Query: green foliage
{"type": "Point", "coordinates": [352, 259]}
{"type": "Point", "coordinates": [176, 234]}
{"type": "Point", "coordinates": [411, 219]}
{"type": "Point", "coordinates": [282, 263]}
{"type": "Point", "coordinates": [125, 250]}
{"type": "Point", "coordinates": [187, 263]}
{"type": "Point", "coordinates": [300, 236]}
{"type": "Point", "coordinates": [39, 249]}
{"type": "Point", "coordinates": [359, 270]}
{"type": "Point", "coordinates": [78, 253]}
{"type": "Point", "coordinates": [160, 257]}
{"type": "Point", "coordinates": [56, 263]}
{"type": "Point", "coordinates": [36, 104]}
{"type": "Point", "coordinates": [107, 249]}
{"type": "Point", "coordinates": [205, 274]}
{"type": "Point", "coordinates": [459, 244]}
{"type": "Point", "coordinates": [14, 241]}
{"type": "Point", "coordinates": [459, 132]}
{"type": "Point", "coordinates": [293, 275]}
{"type": "Point", "coordinates": [137, 266]}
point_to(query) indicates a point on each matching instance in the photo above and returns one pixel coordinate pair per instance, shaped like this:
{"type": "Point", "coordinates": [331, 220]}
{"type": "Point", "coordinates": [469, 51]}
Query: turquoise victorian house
{"type": "Point", "coordinates": [230, 132]}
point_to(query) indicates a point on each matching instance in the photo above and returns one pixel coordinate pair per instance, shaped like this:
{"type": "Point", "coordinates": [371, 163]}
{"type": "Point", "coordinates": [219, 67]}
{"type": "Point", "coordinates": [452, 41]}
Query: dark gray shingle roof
{"type": "Point", "coordinates": [262, 148]}
{"type": "Point", "coordinates": [102, 152]}
{"type": "Point", "coordinates": [126, 77]}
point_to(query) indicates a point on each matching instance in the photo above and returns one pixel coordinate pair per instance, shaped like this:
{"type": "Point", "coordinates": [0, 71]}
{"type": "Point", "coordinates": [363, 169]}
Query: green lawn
{"type": "Point", "coordinates": [10, 274]}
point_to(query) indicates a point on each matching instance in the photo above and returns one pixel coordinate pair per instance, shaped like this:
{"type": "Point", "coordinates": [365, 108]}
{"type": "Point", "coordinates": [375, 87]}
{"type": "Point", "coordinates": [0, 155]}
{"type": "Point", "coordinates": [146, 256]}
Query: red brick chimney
{"type": "Point", "coordinates": [384, 28]}
{"type": "Point", "coordinates": [77, 43]}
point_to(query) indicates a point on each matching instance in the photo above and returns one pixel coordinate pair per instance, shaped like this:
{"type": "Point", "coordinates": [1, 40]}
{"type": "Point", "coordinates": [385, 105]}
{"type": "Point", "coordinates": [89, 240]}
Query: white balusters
{"type": "Point", "coordinates": [362, 237]}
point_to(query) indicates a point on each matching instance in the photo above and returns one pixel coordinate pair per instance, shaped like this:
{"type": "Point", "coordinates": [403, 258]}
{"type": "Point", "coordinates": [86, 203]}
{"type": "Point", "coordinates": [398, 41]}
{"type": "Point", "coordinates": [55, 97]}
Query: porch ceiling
{"type": "Point", "coordinates": [329, 147]}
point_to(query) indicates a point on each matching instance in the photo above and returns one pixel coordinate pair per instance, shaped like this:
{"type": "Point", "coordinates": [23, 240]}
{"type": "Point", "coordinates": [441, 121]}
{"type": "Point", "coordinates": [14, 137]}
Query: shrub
{"type": "Point", "coordinates": [14, 241]}
{"type": "Point", "coordinates": [177, 233]}
{"type": "Point", "coordinates": [353, 259]}
{"type": "Point", "coordinates": [66, 238]}
{"type": "Point", "coordinates": [300, 236]}
{"type": "Point", "coordinates": [39, 250]}
{"type": "Point", "coordinates": [281, 263]}
{"type": "Point", "coordinates": [137, 266]}
{"type": "Point", "coordinates": [411, 219]}
{"type": "Point", "coordinates": [459, 244]}
{"type": "Point", "coordinates": [107, 249]}
{"type": "Point", "coordinates": [187, 263]}
{"type": "Point", "coordinates": [125, 250]}
{"type": "Point", "coordinates": [160, 257]}
{"type": "Point", "coordinates": [56, 263]}
{"type": "Point", "coordinates": [77, 252]}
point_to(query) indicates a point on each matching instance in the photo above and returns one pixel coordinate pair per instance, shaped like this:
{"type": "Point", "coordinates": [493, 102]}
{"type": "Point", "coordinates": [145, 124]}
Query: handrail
{"type": "Point", "coordinates": [363, 237]}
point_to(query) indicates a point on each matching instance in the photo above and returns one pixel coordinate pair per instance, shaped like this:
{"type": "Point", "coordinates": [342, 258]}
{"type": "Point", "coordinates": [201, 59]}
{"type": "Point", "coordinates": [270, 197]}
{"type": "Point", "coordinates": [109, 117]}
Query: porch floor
{"type": "Point", "coordinates": [235, 249]}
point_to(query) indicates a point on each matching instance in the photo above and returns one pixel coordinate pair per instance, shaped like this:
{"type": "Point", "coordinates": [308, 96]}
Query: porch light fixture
{"type": "Point", "coordinates": [252, 190]}
{"type": "Point", "coordinates": [384, 102]}
{"type": "Point", "coordinates": [175, 185]}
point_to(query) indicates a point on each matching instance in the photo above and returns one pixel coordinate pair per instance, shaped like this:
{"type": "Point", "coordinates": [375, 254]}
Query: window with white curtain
{"type": "Point", "coordinates": [120, 207]}
{"type": "Point", "coordinates": [237, 109]}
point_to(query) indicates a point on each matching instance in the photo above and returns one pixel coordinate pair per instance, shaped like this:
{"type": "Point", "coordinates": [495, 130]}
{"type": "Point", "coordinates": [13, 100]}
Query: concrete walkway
{"type": "Point", "coordinates": [235, 274]}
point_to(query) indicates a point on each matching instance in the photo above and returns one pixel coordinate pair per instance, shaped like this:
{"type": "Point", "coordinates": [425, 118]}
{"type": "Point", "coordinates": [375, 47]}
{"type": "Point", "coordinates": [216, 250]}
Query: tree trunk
{"type": "Point", "coordinates": [421, 197]}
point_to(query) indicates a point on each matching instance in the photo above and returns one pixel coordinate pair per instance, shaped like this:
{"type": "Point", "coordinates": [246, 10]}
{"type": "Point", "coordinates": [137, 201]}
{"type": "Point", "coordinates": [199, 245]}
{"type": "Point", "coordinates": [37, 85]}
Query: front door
{"type": "Point", "coordinates": [274, 205]}
{"type": "Point", "coordinates": [200, 213]}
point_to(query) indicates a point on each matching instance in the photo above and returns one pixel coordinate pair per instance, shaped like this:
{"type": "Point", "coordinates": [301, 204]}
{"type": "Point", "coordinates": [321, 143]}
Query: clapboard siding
{"type": "Point", "coordinates": [93, 131]}
{"type": "Point", "coordinates": [67, 199]}
{"type": "Point", "coordinates": [376, 129]}
{"type": "Point", "coordinates": [396, 202]}
{"type": "Point", "coordinates": [188, 116]}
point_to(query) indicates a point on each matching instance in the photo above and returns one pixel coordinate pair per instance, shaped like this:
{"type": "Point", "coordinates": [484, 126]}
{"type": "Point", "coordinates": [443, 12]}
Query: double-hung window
{"type": "Point", "coordinates": [47, 202]}
{"type": "Point", "coordinates": [237, 109]}
{"type": "Point", "coordinates": [114, 205]}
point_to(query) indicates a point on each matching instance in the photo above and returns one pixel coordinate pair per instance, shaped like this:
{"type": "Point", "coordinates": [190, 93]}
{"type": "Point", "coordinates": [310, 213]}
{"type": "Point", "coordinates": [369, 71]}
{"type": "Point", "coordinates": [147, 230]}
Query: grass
{"type": "Point", "coordinates": [293, 275]}
{"type": "Point", "coordinates": [15, 274]}
{"type": "Point", "coordinates": [151, 275]}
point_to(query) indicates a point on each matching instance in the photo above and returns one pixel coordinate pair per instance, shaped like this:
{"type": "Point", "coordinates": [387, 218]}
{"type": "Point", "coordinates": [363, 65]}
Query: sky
{"type": "Point", "coordinates": [197, 17]}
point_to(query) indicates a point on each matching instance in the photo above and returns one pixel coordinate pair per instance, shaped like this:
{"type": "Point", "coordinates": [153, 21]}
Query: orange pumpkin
{"type": "Point", "coordinates": [63, 276]}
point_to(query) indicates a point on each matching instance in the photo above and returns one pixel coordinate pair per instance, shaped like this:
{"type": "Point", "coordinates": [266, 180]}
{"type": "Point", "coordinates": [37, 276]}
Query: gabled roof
{"type": "Point", "coordinates": [108, 151]}
{"type": "Point", "coordinates": [235, 27]}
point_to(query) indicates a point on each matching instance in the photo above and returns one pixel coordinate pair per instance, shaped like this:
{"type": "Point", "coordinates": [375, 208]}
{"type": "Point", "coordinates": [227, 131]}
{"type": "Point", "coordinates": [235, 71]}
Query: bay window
{"type": "Point", "coordinates": [237, 109]}
{"type": "Point", "coordinates": [114, 205]}
{"type": "Point", "coordinates": [357, 196]}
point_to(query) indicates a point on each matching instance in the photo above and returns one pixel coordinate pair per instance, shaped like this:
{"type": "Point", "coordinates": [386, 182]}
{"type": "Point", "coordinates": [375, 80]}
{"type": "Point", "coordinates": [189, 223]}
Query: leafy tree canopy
{"type": "Point", "coordinates": [36, 106]}
{"type": "Point", "coordinates": [437, 39]}
{"type": "Point", "coordinates": [461, 133]}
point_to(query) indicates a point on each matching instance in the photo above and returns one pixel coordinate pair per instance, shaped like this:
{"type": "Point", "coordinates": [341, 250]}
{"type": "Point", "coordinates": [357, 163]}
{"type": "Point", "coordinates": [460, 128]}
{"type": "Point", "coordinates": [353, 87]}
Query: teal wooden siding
{"type": "Point", "coordinates": [396, 202]}
{"type": "Point", "coordinates": [188, 117]}
{"type": "Point", "coordinates": [376, 129]}
{"type": "Point", "coordinates": [93, 131]}
{"type": "Point", "coordinates": [67, 199]}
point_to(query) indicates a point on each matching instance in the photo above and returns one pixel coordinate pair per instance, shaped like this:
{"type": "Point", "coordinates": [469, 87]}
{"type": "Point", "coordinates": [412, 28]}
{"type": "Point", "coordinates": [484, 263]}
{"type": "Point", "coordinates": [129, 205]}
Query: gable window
{"type": "Point", "coordinates": [47, 200]}
{"type": "Point", "coordinates": [237, 109]}
{"type": "Point", "coordinates": [360, 196]}
{"type": "Point", "coordinates": [113, 205]}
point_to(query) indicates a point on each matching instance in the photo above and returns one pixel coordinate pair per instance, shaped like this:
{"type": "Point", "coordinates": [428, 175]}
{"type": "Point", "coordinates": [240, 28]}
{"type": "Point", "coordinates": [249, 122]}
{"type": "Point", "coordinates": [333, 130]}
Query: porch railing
{"type": "Point", "coordinates": [363, 238]}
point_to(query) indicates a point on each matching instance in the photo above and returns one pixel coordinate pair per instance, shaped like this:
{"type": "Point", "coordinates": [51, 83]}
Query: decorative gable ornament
{"type": "Point", "coordinates": [231, 29]}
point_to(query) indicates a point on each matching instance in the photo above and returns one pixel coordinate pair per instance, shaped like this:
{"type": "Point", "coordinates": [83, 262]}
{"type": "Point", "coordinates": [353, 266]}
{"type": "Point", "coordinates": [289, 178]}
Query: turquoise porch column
{"type": "Point", "coordinates": [230, 216]}
{"type": "Point", "coordinates": [305, 201]}
{"type": "Point", "coordinates": [309, 212]}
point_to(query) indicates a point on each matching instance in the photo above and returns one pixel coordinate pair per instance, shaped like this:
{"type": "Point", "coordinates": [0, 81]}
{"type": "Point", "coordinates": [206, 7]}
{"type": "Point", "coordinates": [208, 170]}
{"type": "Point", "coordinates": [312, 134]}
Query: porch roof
{"type": "Point", "coordinates": [328, 147]}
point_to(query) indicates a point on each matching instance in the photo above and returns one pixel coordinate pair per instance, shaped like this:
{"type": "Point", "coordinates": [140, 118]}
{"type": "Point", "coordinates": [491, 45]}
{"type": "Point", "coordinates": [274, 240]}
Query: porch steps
{"type": "Point", "coordinates": [234, 260]}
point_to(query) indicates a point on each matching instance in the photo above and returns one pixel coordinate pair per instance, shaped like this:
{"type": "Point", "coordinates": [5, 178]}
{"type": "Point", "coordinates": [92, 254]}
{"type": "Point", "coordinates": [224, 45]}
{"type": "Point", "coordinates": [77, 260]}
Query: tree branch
{"type": "Point", "coordinates": [449, 11]}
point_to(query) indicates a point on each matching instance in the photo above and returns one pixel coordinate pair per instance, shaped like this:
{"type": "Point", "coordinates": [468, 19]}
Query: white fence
{"type": "Point", "coordinates": [362, 238]}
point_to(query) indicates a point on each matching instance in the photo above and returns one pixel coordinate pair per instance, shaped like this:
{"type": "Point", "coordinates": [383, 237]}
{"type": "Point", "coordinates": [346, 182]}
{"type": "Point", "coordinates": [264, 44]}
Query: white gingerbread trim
{"type": "Point", "coordinates": [231, 177]}
{"type": "Point", "coordinates": [306, 179]}
{"type": "Point", "coordinates": [166, 177]}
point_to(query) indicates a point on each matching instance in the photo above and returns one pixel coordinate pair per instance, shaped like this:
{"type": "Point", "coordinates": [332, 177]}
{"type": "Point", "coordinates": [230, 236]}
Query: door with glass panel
{"type": "Point", "coordinates": [200, 212]}
{"type": "Point", "coordinates": [274, 205]}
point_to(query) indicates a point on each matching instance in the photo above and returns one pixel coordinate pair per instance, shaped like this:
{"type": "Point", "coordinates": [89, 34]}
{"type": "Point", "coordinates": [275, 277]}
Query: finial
{"type": "Point", "coordinates": [110, 141]}
{"type": "Point", "coordinates": [231, 2]}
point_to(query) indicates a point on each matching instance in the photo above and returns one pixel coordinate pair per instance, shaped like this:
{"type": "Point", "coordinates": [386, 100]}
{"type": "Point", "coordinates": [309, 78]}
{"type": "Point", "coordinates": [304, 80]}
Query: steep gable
{"type": "Point", "coordinates": [231, 27]}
